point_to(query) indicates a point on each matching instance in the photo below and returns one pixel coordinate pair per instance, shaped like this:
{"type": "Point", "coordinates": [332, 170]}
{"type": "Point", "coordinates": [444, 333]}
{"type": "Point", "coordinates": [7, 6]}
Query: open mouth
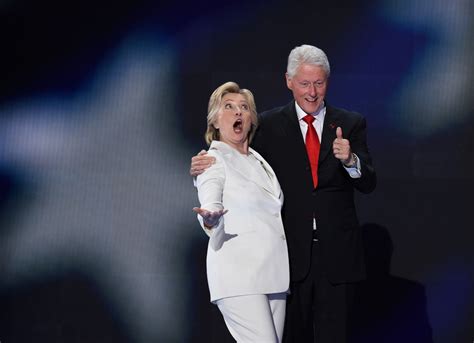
{"type": "Point", "coordinates": [238, 126]}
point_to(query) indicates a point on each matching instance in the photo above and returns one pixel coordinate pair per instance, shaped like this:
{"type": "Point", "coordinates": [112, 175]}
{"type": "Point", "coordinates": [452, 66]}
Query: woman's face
{"type": "Point", "coordinates": [234, 120]}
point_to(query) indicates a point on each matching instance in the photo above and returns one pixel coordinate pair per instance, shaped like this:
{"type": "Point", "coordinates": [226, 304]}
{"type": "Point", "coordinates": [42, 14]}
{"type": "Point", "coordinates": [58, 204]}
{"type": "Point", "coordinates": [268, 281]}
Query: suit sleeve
{"type": "Point", "coordinates": [210, 186]}
{"type": "Point", "coordinates": [358, 140]}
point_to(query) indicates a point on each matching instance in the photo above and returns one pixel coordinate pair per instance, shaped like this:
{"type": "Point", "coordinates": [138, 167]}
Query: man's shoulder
{"type": "Point", "coordinates": [343, 113]}
{"type": "Point", "coordinates": [272, 112]}
{"type": "Point", "coordinates": [275, 112]}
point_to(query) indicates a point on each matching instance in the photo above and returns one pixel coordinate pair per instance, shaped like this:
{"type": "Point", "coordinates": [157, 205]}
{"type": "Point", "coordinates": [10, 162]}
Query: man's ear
{"type": "Point", "coordinates": [289, 82]}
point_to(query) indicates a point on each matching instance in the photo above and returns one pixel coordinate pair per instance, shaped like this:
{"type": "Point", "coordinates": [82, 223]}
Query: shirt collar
{"type": "Point", "coordinates": [318, 115]}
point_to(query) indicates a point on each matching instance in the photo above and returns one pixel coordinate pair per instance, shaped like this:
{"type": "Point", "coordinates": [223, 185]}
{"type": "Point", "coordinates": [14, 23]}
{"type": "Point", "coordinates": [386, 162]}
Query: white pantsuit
{"type": "Point", "coordinates": [247, 252]}
{"type": "Point", "coordinates": [255, 318]}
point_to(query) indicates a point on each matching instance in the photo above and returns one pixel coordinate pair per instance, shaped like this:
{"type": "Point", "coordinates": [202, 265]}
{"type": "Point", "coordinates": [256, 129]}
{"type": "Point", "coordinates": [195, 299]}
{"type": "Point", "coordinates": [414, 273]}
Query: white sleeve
{"type": "Point", "coordinates": [210, 186]}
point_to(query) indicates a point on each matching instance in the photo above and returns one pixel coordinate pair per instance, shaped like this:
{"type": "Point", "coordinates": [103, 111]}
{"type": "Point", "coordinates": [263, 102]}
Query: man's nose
{"type": "Point", "coordinates": [312, 90]}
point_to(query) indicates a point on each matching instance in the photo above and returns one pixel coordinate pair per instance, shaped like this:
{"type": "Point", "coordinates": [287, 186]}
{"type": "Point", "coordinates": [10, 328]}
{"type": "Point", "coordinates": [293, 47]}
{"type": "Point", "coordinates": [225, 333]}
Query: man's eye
{"type": "Point", "coordinates": [304, 84]}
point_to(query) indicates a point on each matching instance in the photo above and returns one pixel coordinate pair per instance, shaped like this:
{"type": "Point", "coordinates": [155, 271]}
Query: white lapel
{"type": "Point", "coordinates": [271, 179]}
{"type": "Point", "coordinates": [238, 162]}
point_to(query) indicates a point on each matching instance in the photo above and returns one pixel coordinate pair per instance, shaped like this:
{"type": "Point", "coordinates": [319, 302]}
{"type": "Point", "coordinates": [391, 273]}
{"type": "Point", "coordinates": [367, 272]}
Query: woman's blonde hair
{"type": "Point", "coordinates": [212, 134]}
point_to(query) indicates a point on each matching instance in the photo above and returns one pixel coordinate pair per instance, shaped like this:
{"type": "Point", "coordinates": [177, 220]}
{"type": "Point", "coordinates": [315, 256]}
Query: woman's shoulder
{"type": "Point", "coordinates": [219, 149]}
{"type": "Point", "coordinates": [215, 152]}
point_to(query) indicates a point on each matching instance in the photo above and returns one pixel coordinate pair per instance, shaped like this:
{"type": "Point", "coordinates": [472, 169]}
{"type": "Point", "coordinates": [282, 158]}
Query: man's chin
{"type": "Point", "coordinates": [311, 107]}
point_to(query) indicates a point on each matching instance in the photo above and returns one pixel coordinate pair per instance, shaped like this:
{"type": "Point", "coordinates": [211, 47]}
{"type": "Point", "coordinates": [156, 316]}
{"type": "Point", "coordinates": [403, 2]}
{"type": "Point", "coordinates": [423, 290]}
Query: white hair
{"type": "Point", "coordinates": [307, 54]}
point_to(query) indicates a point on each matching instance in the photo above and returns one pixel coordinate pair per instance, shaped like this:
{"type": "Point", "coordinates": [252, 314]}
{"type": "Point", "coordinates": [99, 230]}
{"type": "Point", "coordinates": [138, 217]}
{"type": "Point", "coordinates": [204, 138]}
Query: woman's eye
{"type": "Point", "coordinates": [245, 107]}
{"type": "Point", "coordinates": [228, 106]}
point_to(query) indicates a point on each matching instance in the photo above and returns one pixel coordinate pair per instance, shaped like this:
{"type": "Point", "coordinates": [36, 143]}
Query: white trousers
{"type": "Point", "coordinates": [254, 318]}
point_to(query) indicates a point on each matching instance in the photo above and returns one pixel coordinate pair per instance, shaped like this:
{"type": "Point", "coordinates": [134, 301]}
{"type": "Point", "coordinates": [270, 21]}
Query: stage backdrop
{"type": "Point", "coordinates": [102, 105]}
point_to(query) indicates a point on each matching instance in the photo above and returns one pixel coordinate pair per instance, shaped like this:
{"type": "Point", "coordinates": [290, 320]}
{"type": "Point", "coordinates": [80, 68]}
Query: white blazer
{"type": "Point", "coordinates": [247, 251]}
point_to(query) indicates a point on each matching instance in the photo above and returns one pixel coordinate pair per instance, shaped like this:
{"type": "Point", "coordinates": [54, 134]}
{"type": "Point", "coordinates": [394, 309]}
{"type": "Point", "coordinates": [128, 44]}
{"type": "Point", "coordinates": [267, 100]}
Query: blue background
{"type": "Point", "coordinates": [102, 105]}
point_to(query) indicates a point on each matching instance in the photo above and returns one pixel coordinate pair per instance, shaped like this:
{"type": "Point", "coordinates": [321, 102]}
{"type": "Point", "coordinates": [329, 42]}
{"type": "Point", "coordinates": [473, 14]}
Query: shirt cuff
{"type": "Point", "coordinates": [354, 171]}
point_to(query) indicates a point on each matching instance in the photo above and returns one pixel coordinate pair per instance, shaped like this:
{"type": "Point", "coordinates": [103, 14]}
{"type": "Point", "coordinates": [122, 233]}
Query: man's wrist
{"type": "Point", "coordinates": [352, 161]}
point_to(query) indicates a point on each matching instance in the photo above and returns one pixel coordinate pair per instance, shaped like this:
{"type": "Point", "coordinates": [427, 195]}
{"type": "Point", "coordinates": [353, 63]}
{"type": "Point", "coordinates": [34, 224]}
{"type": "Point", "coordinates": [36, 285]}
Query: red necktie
{"type": "Point", "coordinates": [312, 147]}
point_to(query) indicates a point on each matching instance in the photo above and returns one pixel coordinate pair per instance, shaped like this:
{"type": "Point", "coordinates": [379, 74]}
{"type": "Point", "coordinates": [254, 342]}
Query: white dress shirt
{"type": "Point", "coordinates": [354, 172]}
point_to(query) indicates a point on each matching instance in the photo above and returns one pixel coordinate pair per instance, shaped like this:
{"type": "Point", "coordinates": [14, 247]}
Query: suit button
{"type": "Point", "coordinates": [283, 237]}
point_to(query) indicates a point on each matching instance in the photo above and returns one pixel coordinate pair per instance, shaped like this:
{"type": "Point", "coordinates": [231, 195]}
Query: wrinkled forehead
{"type": "Point", "coordinates": [310, 72]}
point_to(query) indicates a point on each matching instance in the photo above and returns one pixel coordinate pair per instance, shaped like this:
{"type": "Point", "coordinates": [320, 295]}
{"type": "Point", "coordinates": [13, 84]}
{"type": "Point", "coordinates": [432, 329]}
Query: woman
{"type": "Point", "coordinates": [247, 258]}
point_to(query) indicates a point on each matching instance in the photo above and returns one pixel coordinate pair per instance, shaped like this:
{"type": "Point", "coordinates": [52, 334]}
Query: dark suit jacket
{"type": "Point", "coordinates": [280, 142]}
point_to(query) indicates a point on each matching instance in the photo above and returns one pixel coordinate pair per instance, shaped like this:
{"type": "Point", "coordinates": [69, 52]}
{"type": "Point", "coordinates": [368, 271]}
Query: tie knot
{"type": "Point", "coordinates": [308, 119]}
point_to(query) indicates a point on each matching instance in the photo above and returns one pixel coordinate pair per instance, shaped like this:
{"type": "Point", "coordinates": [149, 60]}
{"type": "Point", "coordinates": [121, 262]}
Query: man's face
{"type": "Point", "coordinates": [309, 86]}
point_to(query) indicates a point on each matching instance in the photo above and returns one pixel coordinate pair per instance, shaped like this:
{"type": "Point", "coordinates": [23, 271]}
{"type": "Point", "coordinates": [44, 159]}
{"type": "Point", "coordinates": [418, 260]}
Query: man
{"type": "Point", "coordinates": [320, 155]}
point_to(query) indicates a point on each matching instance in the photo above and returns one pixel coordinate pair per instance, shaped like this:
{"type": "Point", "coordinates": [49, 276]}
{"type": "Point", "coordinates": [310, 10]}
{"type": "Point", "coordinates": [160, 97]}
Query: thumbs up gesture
{"type": "Point", "coordinates": [341, 148]}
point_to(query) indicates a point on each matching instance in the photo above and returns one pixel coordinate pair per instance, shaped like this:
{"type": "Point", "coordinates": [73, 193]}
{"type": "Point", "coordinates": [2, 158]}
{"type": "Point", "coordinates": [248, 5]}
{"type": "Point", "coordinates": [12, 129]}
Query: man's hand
{"type": "Point", "coordinates": [341, 149]}
{"type": "Point", "coordinates": [200, 163]}
{"type": "Point", "coordinates": [210, 218]}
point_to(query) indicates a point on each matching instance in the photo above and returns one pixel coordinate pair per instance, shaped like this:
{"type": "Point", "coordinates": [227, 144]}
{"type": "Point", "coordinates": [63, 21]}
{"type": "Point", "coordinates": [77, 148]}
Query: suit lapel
{"type": "Point", "coordinates": [241, 165]}
{"type": "Point", "coordinates": [331, 122]}
{"type": "Point", "coordinates": [293, 131]}
{"type": "Point", "coordinates": [270, 182]}
{"type": "Point", "coordinates": [291, 126]}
